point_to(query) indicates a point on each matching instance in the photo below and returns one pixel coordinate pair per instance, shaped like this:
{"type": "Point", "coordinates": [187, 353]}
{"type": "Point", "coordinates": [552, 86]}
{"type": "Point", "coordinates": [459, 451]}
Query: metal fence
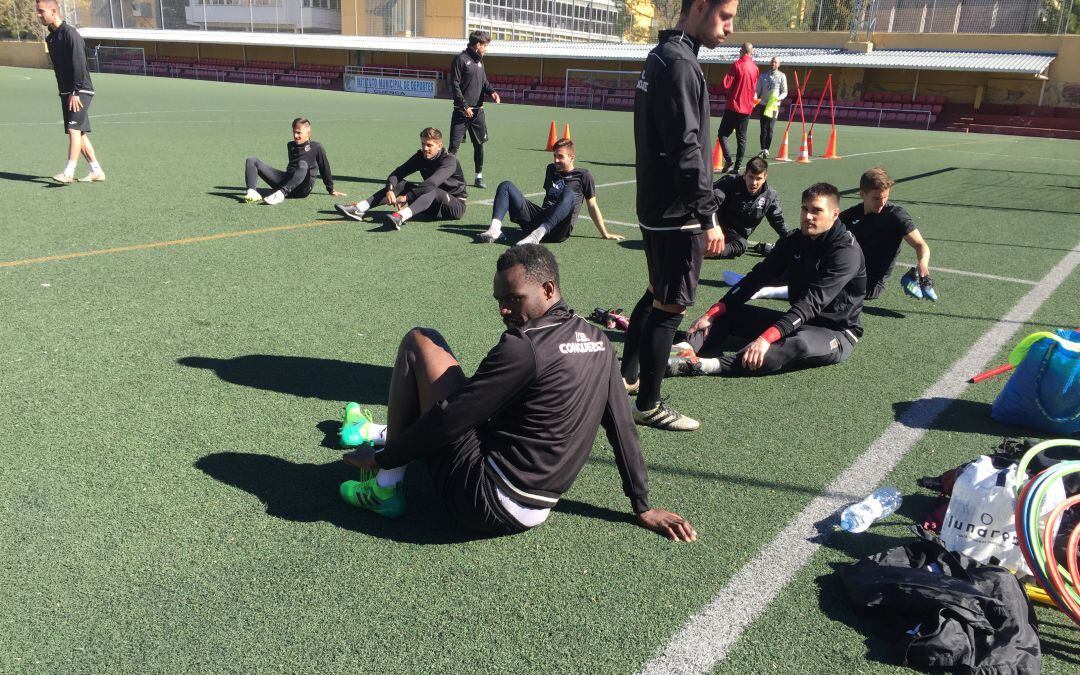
{"type": "Point", "coordinates": [572, 20]}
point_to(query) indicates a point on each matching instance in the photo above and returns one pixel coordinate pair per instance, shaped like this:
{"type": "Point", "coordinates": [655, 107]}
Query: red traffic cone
{"type": "Point", "coordinates": [830, 150]}
{"type": "Point", "coordinates": [552, 137]}
{"type": "Point", "coordinates": [717, 157]}
{"type": "Point", "coordinates": [810, 144]}
{"type": "Point", "coordinates": [782, 155]}
{"type": "Point", "coordinates": [566, 132]}
{"type": "Point", "coordinates": [803, 157]}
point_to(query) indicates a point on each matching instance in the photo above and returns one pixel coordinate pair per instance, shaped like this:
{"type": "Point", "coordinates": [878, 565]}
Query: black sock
{"type": "Point", "coordinates": [656, 339]}
{"type": "Point", "coordinates": [633, 337]}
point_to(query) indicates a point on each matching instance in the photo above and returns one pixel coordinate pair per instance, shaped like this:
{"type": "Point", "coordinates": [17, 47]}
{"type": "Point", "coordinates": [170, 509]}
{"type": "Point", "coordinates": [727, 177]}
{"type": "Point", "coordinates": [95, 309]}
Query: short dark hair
{"type": "Point", "coordinates": [301, 122]}
{"type": "Point", "coordinates": [479, 37]}
{"type": "Point", "coordinates": [687, 4]}
{"type": "Point", "coordinates": [431, 133]}
{"type": "Point", "coordinates": [538, 261]}
{"type": "Point", "coordinates": [757, 166]}
{"type": "Point", "coordinates": [875, 179]}
{"type": "Point", "coordinates": [827, 190]}
{"type": "Point", "coordinates": [564, 143]}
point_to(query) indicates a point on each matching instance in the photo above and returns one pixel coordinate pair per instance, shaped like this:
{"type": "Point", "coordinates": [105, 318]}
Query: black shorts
{"type": "Point", "coordinates": [79, 121]}
{"type": "Point", "coordinates": [475, 125]}
{"type": "Point", "coordinates": [463, 479]}
{"type": "Point", "coordinates": [674, 261]}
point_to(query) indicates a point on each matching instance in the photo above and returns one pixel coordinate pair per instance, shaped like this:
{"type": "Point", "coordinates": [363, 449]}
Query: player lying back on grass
{"type": "Point", "coordinates": [504, 445]}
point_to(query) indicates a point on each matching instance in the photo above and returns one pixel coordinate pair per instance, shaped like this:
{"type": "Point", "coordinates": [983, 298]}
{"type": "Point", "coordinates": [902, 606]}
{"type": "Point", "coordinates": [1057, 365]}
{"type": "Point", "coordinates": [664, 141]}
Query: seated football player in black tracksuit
{"type": "Point", "coordinates": [744, 201]}
{"type": "Point", "coordinates": [441, 195]}
{"type": "Point", "coordinates": [565, 188]}
{"type": "Point", "coordinates": [827, 281]}
{"type": "Point", "coordinates": [504, 445]}
{"type": "Point", "coordinates": [306, 158]}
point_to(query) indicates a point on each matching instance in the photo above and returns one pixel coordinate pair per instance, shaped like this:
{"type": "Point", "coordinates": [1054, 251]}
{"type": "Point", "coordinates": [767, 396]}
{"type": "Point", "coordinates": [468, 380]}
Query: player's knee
{"type": "Point", "coordinates": [251, 161]}
{"type": "Point", "coordinates": [504, 187]}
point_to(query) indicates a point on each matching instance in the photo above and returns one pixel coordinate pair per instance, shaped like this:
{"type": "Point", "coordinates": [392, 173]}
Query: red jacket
{"type": "Point", "coordinates": [739, 84]}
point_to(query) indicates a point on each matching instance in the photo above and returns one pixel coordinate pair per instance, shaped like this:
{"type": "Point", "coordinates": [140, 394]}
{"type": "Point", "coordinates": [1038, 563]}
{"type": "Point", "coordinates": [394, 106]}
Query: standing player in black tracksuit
{"type": "Point", "coordinates": [880, 226]}
{"type": "Point", "coordinates": [676, 206]}
{"type": "Point", "coordinates": [504, 445]}
{"type": "Point", "coordinates": [306, 159]}
{"type": "Point", "coordinates": [469, 85]}
{"type": "Point", "coordinates": [744, 201]}
{"type": "Point", "coordinates": [565, 188]}
{"type": "Point", "coordinates": [827, 283]}
{"type": "Point", "coordinates": [441, 195]}
{"type": "Point", "coordinates": [67, 51]}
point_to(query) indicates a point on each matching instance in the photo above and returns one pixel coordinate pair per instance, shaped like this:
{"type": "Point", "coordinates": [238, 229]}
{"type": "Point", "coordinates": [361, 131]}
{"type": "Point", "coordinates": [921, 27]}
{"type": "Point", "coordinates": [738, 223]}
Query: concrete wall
{"type": "Point", "coordinates": [24, 54]}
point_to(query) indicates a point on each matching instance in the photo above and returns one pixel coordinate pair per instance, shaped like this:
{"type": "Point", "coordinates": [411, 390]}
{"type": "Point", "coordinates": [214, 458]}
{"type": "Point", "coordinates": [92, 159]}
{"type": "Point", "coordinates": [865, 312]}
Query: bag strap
{"type": "Point", "coordinates": [1021, 350]}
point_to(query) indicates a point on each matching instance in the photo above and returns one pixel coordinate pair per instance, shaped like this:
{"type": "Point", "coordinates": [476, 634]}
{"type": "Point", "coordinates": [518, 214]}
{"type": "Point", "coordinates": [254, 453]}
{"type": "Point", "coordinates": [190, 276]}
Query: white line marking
{"type": "Point", "coordinates": [710, 634]}
{"type": "Point", "coordinates": [965, 273]}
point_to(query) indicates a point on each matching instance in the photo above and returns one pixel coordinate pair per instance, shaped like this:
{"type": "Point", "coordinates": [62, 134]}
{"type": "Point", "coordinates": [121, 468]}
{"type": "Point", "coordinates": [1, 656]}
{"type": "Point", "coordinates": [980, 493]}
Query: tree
{"type": "Point", "coordinates": [18, 19]}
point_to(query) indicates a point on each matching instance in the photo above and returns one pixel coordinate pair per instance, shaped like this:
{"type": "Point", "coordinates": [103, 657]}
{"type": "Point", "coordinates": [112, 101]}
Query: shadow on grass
{"type": "Point", "coordinates": [958, 415]}
{"type": "Point", "coordinates": [873, 310]}
{"type": "Point", "coordinates": [633, 244]}
{"type": "Point", "coordinates": [308, 493]}
{"type": "Point", "coordinates": [228, 195]}
{"type": "Point", "coordinates": [27, 178]}
{"type": "Point", "coordinates": [325, 379]}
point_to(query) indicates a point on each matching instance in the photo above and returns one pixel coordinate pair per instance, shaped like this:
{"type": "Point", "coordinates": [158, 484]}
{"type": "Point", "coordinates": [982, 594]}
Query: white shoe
{"type": "Point", "coordinates": [274, 198]}
{"type": "Point", "coordinates": [252, 196]}
{"type": "Point", "coordinates": [93, 177]}
{"type": "Point", "coordinates": [64, 178]}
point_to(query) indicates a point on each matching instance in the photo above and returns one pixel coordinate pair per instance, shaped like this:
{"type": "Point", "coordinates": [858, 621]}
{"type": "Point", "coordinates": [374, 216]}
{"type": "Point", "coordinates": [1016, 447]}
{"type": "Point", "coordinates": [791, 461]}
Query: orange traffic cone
{"type": "Point", "coordinates": [810, 144]}
{"type": "Point", "coordinates": [782, 155]}
{"type": "Point", "coordinates": [566, 132]}
{"type": "Point", "coordinates": [552, 137]}
{"type": "Point", "coordinates": [830, 150]}
{"type": "Point", "coordinates": [717, 157]}
{"type": "Point", "coordinates": [803, 157]}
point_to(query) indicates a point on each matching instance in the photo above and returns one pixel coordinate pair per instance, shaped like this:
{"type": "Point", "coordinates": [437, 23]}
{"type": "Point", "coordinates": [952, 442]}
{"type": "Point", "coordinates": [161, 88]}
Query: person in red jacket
{"type": "Point", "coordinates": [739, 86]}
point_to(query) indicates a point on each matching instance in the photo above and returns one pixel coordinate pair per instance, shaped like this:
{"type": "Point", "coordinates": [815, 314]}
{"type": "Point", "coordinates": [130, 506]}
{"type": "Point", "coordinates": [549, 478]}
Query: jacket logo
{"type": "Point", "coordinates": [307, 148]}
{"type": "Point", "coordinates": [581, 337]}
{"type": "Point", "coordinates": [581, 345]}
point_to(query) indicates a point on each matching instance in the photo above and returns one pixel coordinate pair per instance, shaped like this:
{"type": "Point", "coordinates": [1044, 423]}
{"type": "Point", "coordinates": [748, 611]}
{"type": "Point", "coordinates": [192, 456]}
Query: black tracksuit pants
{"type": "Point", "coordinates": [429, 203]}
{"type": "Point", "coordinates": [295, 183]}
{"type": "Point", "coordinates": [807, 347]}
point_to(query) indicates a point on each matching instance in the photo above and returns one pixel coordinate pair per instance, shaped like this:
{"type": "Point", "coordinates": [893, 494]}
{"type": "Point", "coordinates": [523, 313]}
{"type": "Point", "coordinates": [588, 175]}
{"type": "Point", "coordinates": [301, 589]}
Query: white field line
{"type": "Point", "coordinates": [710, 634]}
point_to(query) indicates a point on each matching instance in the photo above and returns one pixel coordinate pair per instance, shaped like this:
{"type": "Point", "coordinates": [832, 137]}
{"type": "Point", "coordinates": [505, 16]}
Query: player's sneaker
{"type": "Point", "coordinates": [252, 196]}
{"type": "Point", "coordinates": [764, 154]}
{"type": "Point", "coordinates": [274, 198]}
{"type": "Point", "coordinates": [349, 211]}
{"type": "Point", "coordinates": [388, 502]}
{"type": "Point", "coordinates": [357, 427]}
{"type": "Point", "coordinates": [927, 288]}
{"type": "Point", "coordinates": [479, 182]}
{"type": "Point", "coordinates": [762, 248]}
{"type": "Point", "coordinates": [735, 170]}
{"type": "Point", "coordinates": [727, 166]}
{"type": "Point", "coordinates": [684, 366]}
{"type": "Point", "coordinates": [910, 283]}
{"type": "Point", "coordinates": [490, 236]}
{"type": "Point", "coordinates": [664, 418]}
{"type": "Point", "coordinates": [93, 177]}
{"type": "Point", "coordinates": [396, 220]}
{"type": "Point", "coordinates": [64, 178]}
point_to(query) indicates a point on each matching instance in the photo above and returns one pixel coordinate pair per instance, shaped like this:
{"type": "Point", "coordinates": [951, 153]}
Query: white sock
{"type": "Point", "coordinates": [496, 226]}
{"type": "Point", "coordinates": [390, 477]}
{"type": "Point", "coordinates": [479, 175]}
{"type": "Point", "coordinates": [405, 213]}
{"type": "Point", "coordinates": [376, 433]}
{"type": "Point", "coordinates": [69, 170]}
{"type": "Point", "coordinates": [95, 167]}
{"type": "Point", "coordinates": [535, 236]}
{"type": "Point", "coordinates": [363, 206]}
{"type": "Point", "coordinates": [709, 366]}
{"type": "Point", "coordinates": [772, 293]}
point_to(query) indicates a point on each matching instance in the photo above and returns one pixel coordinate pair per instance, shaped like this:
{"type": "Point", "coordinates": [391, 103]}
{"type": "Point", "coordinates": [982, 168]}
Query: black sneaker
{"type": "Point", "coordinates": [735, 170]}
{"type": "Point", "coordinates": [479, 182]}
{"type": "Point", "coordinates": [727, 166]}
{"type": "Point", "coordinates": [665, 419]}
{"type": "Point", "coordinates": [349, 211]}
{"type": "Point", "coordinates": [762, 248]}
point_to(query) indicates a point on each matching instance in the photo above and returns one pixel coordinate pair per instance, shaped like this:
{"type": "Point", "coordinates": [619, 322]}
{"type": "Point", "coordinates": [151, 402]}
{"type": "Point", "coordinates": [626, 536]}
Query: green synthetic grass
{"type": "Point", "coordinates": [168, 501]}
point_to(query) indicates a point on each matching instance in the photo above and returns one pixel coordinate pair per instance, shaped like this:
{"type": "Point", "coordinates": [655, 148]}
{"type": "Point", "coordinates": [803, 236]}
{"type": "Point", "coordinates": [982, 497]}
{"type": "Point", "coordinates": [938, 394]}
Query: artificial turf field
{"type": "Point", "coordinates": [169, 496]}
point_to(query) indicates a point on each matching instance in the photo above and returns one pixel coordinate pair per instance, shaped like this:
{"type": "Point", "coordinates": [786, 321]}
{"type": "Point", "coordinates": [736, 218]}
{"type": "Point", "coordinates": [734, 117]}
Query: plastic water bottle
{"type": "Point", "coordinates": [858, 517]}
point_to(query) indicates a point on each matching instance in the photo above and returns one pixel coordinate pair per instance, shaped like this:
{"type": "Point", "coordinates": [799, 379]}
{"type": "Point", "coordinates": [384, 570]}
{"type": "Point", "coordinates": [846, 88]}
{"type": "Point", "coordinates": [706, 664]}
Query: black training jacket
{"type": "Point", "coordinates": [68, 54]}
{"type": "Point", "coordinates": [537, 400]}
{"type": "Point", "coordinates": [826, 280]}
{"type": "Point", "coordinates": [313, 153]}
{"type": "Point", "coordinates": [741, 212]}
{"type": "Point", "coordinates": [442, 171]}
{"type": "Point", "coordinates": [671, 137]}
{"type": "Point", "coordinates": [944, 610]}
{"type": "Point", "coordinates": [468, 81]}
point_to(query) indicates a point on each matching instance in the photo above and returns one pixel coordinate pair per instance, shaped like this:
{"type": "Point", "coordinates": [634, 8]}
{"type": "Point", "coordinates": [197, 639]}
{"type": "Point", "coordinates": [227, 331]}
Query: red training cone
{"type": "Point", "coordinates": [810, 144]}
{"type": "Point", "coordinates": [552, 137]}
{"type": "Point", "coordinates": [803, 157]}
{"type": "Point", "coordinates": [830, 150]}
{"type": "Point", "coordinates": [782, 155]}
{"type": "Point", "coordinates": [717, 157]}
{"type": "Point", "coordinates": [566, 132]}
